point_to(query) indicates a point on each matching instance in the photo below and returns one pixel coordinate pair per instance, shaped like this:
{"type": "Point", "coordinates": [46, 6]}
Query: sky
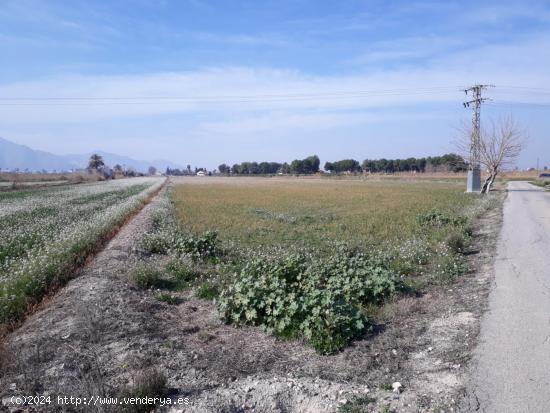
{"type": "Point", "coordinates": [203, 82]}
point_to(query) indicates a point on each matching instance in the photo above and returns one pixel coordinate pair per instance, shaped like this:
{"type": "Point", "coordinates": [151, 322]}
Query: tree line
{"type": "Point", "coordinates": [446, 163]}
{"type": "Point", "coordinates": [309, 165]}
{"type": "Point", "coordinates": [184, 172]}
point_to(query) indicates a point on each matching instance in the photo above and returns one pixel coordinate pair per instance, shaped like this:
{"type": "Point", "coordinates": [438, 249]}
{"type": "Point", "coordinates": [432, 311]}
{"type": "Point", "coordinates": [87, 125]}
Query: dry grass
{"type": "Point", "coordinates": [256, 211]}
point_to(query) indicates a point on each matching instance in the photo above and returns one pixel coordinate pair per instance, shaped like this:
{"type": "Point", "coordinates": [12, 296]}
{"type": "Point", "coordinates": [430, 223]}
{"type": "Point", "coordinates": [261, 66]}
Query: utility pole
{"type": "Point", "coordinates": [474, 170]}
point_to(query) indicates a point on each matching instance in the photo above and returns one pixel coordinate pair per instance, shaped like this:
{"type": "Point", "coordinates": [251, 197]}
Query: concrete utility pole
{"type": "Point", "coordinates": [474, 170]}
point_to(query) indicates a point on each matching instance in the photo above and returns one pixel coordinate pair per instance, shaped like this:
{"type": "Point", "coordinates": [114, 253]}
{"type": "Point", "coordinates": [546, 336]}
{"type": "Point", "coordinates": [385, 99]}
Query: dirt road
{"type": "Point", "coordinates": [511, 369]}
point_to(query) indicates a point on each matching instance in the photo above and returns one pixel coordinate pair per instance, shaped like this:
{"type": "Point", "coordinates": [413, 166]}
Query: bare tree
{"type": "Point", "coordinates": [500, 146]}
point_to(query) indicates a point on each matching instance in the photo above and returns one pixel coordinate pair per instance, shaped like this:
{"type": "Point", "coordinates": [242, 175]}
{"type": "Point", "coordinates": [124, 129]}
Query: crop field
{"type": "Point", "coordinates": [46, 233]}
{"type": "Point", "coordinates": [314, 212]}
{"type": "Point", "coordinates": [312, 259]}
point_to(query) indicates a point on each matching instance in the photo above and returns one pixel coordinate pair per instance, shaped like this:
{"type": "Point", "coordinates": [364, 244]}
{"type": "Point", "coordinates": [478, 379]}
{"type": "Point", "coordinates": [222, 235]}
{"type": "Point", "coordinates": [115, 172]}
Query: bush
{"type": "Point", "coordinates": [320, 300]}
{"type": "Point", "coordinates": [181, 271]}
{"type": "Point", "coordinates": [208, 291]}
{"type": "Point", "coordinates": [456, 242]}
{"type": "Point", "coordinates": [147, 277]}
{"type": "Point", "coordinates": [204, 246]}
{"type": "Point", "coordinates": [156, 243]}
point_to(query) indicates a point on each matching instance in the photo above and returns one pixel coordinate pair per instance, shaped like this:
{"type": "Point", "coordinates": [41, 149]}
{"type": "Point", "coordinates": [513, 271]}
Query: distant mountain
{"type": "Point", "coordinates": [15, 156]}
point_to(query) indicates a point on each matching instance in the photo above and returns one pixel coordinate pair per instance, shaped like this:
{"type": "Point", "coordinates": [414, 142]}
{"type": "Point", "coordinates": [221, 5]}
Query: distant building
{"type": "Point", "coordinates": [201, 173]}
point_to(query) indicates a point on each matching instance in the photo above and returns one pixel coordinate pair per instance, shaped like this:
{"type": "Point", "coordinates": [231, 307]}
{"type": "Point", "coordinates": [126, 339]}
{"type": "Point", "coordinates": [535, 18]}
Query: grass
{"type": "Point", "coordinates": [147, 386]}
{"type": "Point", "coordinates": [168, 298]}
{"type": "Point", "coordinates": [312, 212]}
{"type": "Point", "coordinates": [542, 183]}
{"type": "Point", "coordinates": [358, 404]}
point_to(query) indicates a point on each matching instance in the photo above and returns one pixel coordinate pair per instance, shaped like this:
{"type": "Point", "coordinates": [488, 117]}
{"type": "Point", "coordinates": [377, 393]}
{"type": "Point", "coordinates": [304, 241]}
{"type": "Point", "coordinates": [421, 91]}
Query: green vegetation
{"type": "Point", "coordinates": [148, 277]}
{"type": "Point", "coordinates": [358, 404]}
{"type": "Point", "coordinates": [315, 213]}
{"type": "Point", "coordinates": [313, 259]}
{"type": "Point", "coordinates": [447, 163]}
{"type": "Point", "coordinates": [542, 183]}
{"type": "Point", "coordinates": [322, 300]}
{"type": "Point", "coordinates": [345, 165]}
{"type": "Point", "coordinates": [46, 234]}
{"type": "Point", "coordinates": [172, 240]}
{"type": "Point", "coordinates": [168, 298]}
{"type": "Point", "coordinates": [208, 291]}
{"type": "Point", "coordinates": [310, 165]}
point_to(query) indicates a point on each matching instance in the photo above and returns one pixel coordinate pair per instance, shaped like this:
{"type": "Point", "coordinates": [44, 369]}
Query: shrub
{"type": "Point", "coordinates": [164, 241]}
{"type": "Point", "coordinates": [156, 243]}
{"type": "Point", "coordinates": [203, 246]}
{"type": "Point", "coordinates": [181, 271]}
{"type": "Point", "coordinates": [456, 242]}
{"type": "Point", "coordinates": [320, 300]}
{"type": "Point", "coordinates": [208, 291]}
{"type": "Point", "coordinates": [147, 277]}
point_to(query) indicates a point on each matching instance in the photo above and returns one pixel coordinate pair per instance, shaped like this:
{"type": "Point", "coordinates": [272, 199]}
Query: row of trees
{"type": "Point", "coordinates": [345, 165]}
{"type": "Point", "coordinates": [310, 165]}
{"type": "Point", "coordinates": [251, 168]}
{"type": "Point", "coordinates": [447, 163]}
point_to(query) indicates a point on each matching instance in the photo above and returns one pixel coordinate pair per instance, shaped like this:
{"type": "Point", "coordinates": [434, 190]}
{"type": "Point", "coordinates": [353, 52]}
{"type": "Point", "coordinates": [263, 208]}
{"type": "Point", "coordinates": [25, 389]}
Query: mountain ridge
{"type": "Point", "coordinates": [22, 157]}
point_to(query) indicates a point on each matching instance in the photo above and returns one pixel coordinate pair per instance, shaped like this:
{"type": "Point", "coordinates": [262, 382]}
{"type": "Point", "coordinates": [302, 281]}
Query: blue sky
{"type": "Point", "coordinates": [269, 80]}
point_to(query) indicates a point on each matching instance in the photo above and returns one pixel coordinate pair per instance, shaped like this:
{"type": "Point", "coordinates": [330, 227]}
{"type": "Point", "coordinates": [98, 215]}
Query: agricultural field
{"type": "Point", "coordinates": [243, 294]}
{"type": "Point", "coordinates": [315, 212]}
{"type": "Point", "coordinates": [314, 259]}
{"type": "Point", "coordinates": [45, 234]}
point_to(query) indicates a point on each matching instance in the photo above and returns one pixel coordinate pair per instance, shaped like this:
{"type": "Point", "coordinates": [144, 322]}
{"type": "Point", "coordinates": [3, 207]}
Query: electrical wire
{"type": "Point", "coordinates": [260, 98]}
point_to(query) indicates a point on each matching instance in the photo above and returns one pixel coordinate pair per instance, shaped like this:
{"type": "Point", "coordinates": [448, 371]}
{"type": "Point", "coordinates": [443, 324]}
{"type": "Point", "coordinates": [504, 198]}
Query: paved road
{"type": "Point", "coordinates": [511, 370]}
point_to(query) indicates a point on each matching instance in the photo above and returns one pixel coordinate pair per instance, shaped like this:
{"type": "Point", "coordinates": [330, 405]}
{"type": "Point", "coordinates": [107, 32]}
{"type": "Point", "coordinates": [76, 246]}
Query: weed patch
{"type": "Point", "coordinates": [168, 298]}
{"type": "Point", "coordinates": [208, 291]}
{"type": "Point", "coordinates": [319, 300]}
{"type": "Point", "coordinates": [148, 384]}
{"type": "Point", "coordinates": [146, 276]}
{"type": "Point", "coordinates": [357, 404]}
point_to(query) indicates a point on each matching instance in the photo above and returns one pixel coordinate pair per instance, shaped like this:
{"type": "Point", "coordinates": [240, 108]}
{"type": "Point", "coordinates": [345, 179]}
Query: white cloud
{"type": "Point", "coordinates": [308, 106]}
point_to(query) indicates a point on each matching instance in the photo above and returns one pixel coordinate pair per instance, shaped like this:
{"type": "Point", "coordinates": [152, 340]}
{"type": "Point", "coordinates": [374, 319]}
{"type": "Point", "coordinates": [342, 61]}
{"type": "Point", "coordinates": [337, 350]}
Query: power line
{"type": "Point", "coordinates": [515, 104]}
{"type": "Point", "coordinates": [259, 98]}
{"type": "Point", "coordinates": [231, 98]}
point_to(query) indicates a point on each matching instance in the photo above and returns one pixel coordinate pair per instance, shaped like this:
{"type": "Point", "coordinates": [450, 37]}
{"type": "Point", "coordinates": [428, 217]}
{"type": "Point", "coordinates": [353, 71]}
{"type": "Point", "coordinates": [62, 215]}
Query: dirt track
{"type": "Point", "coordinates": [511, 372]}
